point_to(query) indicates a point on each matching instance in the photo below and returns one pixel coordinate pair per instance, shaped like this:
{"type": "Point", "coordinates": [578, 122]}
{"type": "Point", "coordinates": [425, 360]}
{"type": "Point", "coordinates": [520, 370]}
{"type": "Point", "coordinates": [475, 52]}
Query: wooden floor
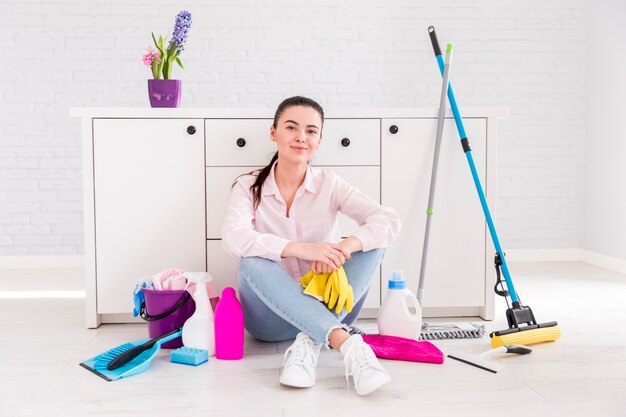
{"type": "Point", "coordinates": [583, 374]}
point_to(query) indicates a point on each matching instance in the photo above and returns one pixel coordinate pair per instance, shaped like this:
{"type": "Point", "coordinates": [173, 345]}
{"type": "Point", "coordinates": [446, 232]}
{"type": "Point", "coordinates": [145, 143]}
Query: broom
{"type": "Point", "coordinates": [441, 330]}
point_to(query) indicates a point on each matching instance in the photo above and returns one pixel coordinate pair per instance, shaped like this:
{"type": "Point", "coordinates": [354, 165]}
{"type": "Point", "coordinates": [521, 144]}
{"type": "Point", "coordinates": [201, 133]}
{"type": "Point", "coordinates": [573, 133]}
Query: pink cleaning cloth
{"type": "Point", "coordinates": [402, 349]}
{"type": "Point", "coordinates": [163, 280]}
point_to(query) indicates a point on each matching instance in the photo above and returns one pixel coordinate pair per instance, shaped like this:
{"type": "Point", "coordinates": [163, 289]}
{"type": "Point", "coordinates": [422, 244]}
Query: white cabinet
{"type": "Point", "coordinates": [148, 203]}
{"type": "Point", "coordinates": [157, 184]}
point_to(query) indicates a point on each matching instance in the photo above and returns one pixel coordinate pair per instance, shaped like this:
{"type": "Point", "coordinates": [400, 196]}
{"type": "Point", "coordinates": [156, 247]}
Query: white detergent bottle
{"type": "Point", "coordinates": [394, 317]}
{"type": "Point", "coordinates": [198, 330]}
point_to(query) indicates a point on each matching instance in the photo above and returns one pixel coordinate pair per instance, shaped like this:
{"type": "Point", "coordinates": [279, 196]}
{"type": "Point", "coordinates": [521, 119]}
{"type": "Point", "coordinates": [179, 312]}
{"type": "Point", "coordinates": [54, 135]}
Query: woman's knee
{"type": "Point", "coordinates": [373, 255]}
{"type": "Point", "coordinates": [252, 267]}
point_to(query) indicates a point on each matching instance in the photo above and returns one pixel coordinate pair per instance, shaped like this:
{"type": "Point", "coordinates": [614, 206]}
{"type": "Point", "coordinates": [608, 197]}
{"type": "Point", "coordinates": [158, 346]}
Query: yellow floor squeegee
{"type": "Point", "coordinates": [523, 328]}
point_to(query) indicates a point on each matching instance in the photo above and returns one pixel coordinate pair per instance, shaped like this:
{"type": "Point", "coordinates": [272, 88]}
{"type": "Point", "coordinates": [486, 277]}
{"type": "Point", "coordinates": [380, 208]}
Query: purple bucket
{"type": "Point", "coordinates": [164, 93]}
{"type": "Point", "coordinates": [165, 311]}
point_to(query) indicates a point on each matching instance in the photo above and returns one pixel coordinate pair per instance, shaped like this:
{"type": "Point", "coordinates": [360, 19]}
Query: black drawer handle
{"type": "Point", "coordinates": [345, 142]}
{"type": "Point", "coordinates": [393, 129]}
{"type": "Point", "coordinates": [241, 142]}
{"type": "Point", "coordinates": [191, 130]}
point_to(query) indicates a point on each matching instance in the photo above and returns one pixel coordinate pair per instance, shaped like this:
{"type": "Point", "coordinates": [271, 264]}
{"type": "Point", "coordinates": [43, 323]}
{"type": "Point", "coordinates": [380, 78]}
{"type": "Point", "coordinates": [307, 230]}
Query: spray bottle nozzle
{"type": "Point", "coordinates": [197, 277]}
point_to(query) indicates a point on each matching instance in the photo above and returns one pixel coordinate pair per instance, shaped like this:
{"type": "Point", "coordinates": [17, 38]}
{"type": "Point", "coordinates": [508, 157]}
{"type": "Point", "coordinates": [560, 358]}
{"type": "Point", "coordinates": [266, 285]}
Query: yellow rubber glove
{"type": "Point", "coordinates": [338, 292]}
{"type": "Point", "coordinates": [314, 284]}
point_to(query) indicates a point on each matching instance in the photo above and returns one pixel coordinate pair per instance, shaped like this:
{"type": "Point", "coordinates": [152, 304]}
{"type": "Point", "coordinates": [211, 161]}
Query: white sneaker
{"type": "Point", "coordinates": [299, 363]}
{"type": "Point", "coordinates": [367, 373]}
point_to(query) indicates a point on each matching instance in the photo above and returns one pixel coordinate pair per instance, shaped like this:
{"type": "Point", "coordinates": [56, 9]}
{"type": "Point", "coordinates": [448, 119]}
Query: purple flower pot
{"type": "Point", "coordinates": [164, 93]}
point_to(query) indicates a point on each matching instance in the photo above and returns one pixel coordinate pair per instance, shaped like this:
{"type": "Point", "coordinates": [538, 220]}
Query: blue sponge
{"type": "Point", "coordinates": [189, 356]}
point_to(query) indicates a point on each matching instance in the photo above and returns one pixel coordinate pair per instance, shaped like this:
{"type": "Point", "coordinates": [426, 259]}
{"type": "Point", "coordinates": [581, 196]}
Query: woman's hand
{"type": "Point", "coordinates": [331, 254]}
{"type": "Point", "coordinates": [319, 267]}
{"type": "Point", "coordinates": [350, 244]}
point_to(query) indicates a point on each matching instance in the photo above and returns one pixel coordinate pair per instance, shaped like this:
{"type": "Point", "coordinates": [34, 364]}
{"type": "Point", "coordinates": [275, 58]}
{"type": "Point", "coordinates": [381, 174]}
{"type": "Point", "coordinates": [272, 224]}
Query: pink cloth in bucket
{"type": "Point", "coordinates": [169, 279]}
{"type": "Point", "coordinates": [402, 349]}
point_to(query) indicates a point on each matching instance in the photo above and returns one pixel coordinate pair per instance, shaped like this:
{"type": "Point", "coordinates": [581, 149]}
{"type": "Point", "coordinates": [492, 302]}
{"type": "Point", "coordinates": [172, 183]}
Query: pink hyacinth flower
{"type": "Point", "coordinates": [149, 56]}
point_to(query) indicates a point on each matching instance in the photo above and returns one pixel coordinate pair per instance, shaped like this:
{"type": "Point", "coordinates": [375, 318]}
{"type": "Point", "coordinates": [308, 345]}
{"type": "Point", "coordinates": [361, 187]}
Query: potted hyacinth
{"type": "Point", "coordinates": [165, 92]}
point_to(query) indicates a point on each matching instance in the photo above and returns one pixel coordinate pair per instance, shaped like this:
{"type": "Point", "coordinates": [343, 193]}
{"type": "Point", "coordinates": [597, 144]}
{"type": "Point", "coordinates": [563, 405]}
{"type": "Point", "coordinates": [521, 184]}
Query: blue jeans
{"type": "Point", "coordinates": [276, 309]}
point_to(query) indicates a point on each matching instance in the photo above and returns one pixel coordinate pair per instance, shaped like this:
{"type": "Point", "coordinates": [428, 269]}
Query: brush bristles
{"type": "Point", "coordinates": [105, 359]}
{"type": "Point", "coordinates": [461, 334]}
{"type": "Point", "coordinates": [453, 332]}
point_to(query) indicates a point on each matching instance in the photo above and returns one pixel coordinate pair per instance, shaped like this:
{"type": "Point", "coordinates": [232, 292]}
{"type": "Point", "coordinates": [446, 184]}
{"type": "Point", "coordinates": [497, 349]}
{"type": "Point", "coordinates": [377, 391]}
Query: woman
{"type": "Point", "coordinates": [282, 222]}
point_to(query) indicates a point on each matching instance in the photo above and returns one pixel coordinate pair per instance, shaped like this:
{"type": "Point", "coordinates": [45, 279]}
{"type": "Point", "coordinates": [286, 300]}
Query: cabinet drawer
{"type": "Point", "coordinates": [221, 142]}
{"type": "Point", "coordinates": [363, 136]}
{"type": "Point", "coordinates": [224, 146]}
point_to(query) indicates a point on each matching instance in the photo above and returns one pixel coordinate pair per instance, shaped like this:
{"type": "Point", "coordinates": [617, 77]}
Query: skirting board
{"type": "Point", "coordinates": [568, 255]}
{"type": "Point", "coordinates": [512, 255]}
{"type": "Point", "coordinates": [42, 261]}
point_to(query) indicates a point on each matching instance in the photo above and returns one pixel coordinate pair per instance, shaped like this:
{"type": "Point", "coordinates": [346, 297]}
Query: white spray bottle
{"type": "Point", "coordinates": [198, 330]}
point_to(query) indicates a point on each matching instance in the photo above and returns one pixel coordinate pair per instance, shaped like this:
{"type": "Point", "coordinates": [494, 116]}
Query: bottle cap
{"type": "Point", "coordinates": [229, 292]}
{"type": "Point", "coordinates": [397, 281]}
{"type": "Point", "coordinates": [198, 277]}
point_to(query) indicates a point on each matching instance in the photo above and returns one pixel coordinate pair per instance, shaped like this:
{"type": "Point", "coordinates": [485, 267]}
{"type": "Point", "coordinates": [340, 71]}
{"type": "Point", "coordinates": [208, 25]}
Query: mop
{"type": "Point", "coordinates": [441, 330]}
{"type": "Point", "coordinates": [523, 327]}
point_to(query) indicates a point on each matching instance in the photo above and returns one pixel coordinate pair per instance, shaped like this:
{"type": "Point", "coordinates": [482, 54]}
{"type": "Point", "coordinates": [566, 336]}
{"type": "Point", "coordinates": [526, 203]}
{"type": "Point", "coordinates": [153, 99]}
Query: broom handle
{"type": "Point", "coordinates": [435, 169]}
{"type": "Point", "coordinates": [470, 159]}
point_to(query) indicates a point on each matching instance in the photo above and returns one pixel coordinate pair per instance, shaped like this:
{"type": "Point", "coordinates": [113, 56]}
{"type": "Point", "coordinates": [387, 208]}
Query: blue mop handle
{"type": "Point", "coordinates": [470, 159]}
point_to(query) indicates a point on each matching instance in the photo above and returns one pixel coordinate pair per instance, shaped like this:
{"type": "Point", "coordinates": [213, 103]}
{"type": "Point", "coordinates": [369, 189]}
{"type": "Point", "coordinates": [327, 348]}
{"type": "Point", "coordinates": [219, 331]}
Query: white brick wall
{"type": "Point", "coordinates": [529, 56]}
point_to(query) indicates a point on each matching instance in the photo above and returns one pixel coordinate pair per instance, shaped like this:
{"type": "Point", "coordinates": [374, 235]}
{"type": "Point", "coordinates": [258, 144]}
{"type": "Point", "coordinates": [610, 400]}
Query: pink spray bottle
{"type": "Point", "coordinates": [229, 326]}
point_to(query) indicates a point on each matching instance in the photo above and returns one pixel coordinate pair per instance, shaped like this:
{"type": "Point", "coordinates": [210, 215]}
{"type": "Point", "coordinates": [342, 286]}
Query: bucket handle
{"type": "Point", "coordinates": [144, 314]}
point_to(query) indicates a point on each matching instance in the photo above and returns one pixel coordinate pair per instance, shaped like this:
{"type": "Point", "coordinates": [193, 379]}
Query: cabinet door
{"type": "Point", "coordinates": [149, 203]}
{"type": "Point", "coordinates": [455, 274]}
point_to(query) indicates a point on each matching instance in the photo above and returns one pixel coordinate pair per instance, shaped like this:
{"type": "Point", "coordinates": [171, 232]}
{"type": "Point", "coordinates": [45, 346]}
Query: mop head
{"type": "Point", "coordinates": [525, 336]}
{"type": "Point", "coordinates": [524, 329]}
{"type": "Point", "coordinates": [440, 331]}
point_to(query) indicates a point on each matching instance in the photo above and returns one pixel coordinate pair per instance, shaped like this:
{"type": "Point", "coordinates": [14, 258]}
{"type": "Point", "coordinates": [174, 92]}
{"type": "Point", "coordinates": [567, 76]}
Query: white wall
{"type": "Point", "coordinates": [529, 56]}
{"type": "Point", "coordinates": [605, 196]}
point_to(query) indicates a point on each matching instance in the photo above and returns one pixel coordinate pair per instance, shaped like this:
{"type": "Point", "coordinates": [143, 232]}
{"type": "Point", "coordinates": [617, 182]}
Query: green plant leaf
{"type": "Point", "coordinates": [171, 52]}
{"type": "Point", "coordinates": [179, 63]}
{"type": "Point", "coordinates": [166, 71]}
{"type": "Point", "coordinates": [160, 48]}
{"type": "Point", "coordinates": [156, 70]}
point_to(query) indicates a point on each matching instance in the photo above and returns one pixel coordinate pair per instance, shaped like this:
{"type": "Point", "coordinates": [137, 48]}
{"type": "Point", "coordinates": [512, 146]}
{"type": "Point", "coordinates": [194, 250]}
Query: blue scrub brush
{"type": "Point", "coordinates": [128, 359]}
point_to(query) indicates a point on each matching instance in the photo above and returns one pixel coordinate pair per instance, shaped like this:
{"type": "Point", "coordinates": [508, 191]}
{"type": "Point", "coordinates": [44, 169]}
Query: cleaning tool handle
{"type": "Point", "coordinates": [470, 160]}
{"type": "Point", "coordinates": [433, 40]}
{"type": "Point", "coordinates": [435, 169]}
{"type": "Point", "coordinates": [131, 354]}
{"type": "Point", "coordinates": [519, 349]}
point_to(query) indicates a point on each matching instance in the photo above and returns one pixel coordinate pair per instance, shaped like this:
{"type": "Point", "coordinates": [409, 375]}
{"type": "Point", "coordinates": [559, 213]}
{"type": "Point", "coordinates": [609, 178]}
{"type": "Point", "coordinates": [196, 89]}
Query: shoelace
{"type": "Point", "coordinates": [299, 350]}
{"type": "Point", "coordinates": [358, 358]}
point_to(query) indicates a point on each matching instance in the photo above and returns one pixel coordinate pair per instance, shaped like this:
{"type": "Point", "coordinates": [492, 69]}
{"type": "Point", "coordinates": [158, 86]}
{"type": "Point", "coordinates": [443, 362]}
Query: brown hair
{"type": "Point", "coordinates": [263, 173]}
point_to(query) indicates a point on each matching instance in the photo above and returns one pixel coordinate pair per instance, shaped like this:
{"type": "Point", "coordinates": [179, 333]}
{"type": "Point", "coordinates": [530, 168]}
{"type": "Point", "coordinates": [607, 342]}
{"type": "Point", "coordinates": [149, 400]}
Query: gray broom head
{"type": "Point", "coordinates": [440, 331]}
